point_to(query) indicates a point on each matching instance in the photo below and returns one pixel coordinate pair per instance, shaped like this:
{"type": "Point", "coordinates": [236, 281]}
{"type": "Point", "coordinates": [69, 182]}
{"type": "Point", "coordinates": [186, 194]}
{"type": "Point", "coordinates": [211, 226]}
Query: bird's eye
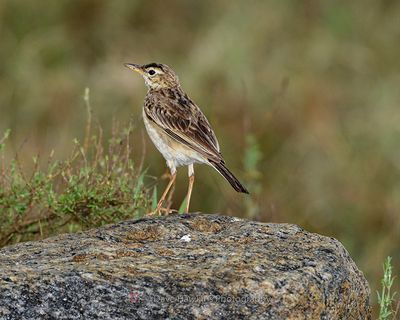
{"type": "Point", "coordinates": [152, 72]}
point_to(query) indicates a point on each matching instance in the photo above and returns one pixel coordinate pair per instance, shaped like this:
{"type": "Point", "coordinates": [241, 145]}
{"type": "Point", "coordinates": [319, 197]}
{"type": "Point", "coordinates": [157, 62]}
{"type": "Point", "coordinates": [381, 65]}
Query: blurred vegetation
{"type": "Point", "coordinates": [92, 187]}
{"type": "Point", "coordinates": [304, 97]}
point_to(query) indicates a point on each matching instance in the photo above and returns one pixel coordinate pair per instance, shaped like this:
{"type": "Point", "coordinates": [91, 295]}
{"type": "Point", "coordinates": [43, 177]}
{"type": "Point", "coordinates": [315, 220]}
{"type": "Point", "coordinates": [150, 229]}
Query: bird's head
{"type": "Point", "coordinates": [156, 75]}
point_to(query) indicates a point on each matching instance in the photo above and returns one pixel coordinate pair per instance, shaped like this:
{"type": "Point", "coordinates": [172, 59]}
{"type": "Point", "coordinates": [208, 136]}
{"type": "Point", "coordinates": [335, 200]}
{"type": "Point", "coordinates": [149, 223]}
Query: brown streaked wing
{"type": "Point", "coordinates": [182, 120]}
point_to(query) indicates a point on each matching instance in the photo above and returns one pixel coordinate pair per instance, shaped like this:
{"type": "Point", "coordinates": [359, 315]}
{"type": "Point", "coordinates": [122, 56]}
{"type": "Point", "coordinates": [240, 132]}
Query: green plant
{"type": "Point", "coordinates": [182, 207]}
{"type": "Point", "coordinates": [97, 184]}
{"type": "Point", "coordinates": [386, 298]}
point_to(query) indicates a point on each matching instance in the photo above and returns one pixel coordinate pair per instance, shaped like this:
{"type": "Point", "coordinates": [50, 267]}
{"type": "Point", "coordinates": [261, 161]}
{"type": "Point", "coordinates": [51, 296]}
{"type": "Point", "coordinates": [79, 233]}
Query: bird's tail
{"type": "Point", "coordinates": [224, 171]}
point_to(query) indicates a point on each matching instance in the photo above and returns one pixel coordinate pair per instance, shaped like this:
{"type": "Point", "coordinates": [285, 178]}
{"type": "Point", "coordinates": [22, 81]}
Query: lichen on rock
{"type": "Point", "coordinates": [183, 267]}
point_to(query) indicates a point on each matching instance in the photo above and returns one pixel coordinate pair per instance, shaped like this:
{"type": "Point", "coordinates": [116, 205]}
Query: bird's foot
{"type": "Point", "coordinates": [161, 211]}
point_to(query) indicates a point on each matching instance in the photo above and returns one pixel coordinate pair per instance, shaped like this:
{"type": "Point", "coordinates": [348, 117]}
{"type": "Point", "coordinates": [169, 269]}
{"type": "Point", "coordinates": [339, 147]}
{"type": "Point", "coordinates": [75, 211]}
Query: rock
{"type": "Point", "coordinates": [183, 267]}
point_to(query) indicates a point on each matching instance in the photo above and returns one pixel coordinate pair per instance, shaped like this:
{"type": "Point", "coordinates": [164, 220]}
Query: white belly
{"type": "Point", "coordinates": [181, 156]}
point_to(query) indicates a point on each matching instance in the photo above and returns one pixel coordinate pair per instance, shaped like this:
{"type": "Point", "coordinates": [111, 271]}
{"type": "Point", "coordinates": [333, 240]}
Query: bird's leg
{"type": "Point", "coordinates": [161, 201]}
{"type": "Point", "coordinates": [171, 193]}
{"type": "Point", "coordinates": [168, 201]}
{"type": "Point", "coordinates": [171, 182]}
{"type": "Point", "coordinates": [190, 188]}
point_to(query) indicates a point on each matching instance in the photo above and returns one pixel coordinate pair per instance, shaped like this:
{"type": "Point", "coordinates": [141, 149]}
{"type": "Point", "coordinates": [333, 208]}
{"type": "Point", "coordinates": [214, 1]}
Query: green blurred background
{"type": "Point", "coordinates": [303, 95]}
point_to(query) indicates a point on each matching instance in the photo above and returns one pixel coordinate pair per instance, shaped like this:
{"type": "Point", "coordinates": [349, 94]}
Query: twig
{"type": "Point", "coordinates": [86, 98]}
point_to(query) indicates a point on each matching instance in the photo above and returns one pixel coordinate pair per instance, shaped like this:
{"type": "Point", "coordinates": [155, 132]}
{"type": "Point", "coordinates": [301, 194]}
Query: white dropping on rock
{"type": "Point", "coordinates": [186, 238]}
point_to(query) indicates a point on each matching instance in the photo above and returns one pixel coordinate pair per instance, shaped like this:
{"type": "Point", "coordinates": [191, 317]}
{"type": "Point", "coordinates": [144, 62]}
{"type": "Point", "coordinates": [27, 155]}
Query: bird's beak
{"type": "Point", "coordinates": [134, 67]}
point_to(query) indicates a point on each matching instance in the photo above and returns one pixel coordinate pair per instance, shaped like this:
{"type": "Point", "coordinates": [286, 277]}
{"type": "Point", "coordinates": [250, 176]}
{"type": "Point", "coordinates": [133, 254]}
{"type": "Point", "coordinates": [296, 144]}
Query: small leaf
{"type": "Point", "coordinates": [154, 199]}
{"type": "Point", "coordinates": [182, 207]}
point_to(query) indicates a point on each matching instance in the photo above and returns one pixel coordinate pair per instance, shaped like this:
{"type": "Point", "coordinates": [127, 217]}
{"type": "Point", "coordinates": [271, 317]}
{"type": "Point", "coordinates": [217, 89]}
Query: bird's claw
{"type": "Point", "coordinates": [159, 212]}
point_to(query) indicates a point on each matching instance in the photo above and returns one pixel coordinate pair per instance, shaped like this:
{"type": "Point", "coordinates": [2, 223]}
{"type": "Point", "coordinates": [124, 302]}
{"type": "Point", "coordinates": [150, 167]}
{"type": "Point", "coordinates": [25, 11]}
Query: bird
{"type": "Point", "coordinates": [178, 128]}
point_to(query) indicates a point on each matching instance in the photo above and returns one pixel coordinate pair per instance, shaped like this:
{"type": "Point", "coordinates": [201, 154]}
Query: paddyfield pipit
{"type": "Point", "coordinates": [178, 128]}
